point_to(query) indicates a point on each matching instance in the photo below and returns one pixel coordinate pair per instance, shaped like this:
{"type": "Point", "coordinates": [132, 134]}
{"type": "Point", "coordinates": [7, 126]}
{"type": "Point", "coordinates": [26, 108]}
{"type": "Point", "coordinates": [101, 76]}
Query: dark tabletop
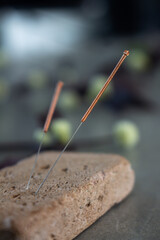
{"type": "Point", "coordinates": [138, 216]}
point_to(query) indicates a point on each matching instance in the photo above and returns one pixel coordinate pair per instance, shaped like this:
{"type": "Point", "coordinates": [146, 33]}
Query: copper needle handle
{"type": "Point", "coordinates": [125, 54]}
{"type": "Point", "coordinates": [46, 125]}
{"type": "Point", "coordinates": [52, 106]}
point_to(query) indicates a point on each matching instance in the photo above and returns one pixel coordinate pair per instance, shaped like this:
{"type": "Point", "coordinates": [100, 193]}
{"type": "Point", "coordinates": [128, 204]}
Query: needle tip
{"type": "Point", "coordinates": [126, 52]}
{"type": "Point", "coordinates": [28, 184]}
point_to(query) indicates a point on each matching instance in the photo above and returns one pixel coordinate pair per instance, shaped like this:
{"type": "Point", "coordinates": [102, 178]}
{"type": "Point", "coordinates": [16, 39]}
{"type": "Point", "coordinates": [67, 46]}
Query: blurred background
{"type": "Point", "coordinates": [80, 42]}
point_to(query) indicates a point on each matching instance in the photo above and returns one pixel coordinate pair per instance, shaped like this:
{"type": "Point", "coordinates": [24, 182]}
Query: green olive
{"type": "Point", "coordinates": [126, 134]}
{"type": "Point", "coordinates": [139, 60]}
{"type": "Point", "coordinates": [4, 89]}
{"type": "Point", "coordinates": [38, 137]}
{"type": "Point", "coordinates": [37, 79]}
{"type": "Point", "coordinates": [68, 101]}
{"type": "Point", "coordinates": [95, 86]}
{"type": "Point", "coordinates": [3, 59]}
{"type": "Point", "coordinates": [61, 130]}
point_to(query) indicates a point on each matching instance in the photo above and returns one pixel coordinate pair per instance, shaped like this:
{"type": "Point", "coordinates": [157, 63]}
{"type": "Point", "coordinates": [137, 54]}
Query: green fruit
{"type": "Point", "coordinates": [138, 60]}
{"type": "Point", "coordinates": [4, 89]}
{"type": "Point", "coordinates": [126, 134]}
{"type": "Point", "coordinates": [69, 100]}
{"type": "Point", "coordinates": [95, 86]}
{"type": "Point", "coordinates": [3, 59]}
{"type": "Point", "coordinates": [38, 137]}
{"type": "Point", "coordinates": [61, 130]}
{"type": "Point", "coordinates": [37, 79]}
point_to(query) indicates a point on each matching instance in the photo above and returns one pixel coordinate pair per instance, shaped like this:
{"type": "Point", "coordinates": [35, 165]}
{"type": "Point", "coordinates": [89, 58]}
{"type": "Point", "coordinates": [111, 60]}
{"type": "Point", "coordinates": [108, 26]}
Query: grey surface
{"type": "Point", "coordinates": [138, 216]}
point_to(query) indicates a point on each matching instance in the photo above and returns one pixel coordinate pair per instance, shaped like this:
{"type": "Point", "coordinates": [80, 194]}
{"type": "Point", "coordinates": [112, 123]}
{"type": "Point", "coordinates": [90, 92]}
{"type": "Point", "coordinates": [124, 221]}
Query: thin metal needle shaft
{"type": "Point", "coordinates": [35, 162]}
{"type": "Point", "coordinates": [58, 158]}
{"type": "Point", "coordinates": [125, 54]}
{"type": "Point", "coordinates": [47, 123]}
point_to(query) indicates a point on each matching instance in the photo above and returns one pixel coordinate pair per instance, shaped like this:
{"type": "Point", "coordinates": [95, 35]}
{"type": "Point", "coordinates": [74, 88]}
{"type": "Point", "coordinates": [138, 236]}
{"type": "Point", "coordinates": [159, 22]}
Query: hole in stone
{"type": "Point", "coordinates": [45, 166]}
{"type": "Point", "coordinates": [88, 204]}
{"type": "Point", "coordinates": [65, 169]}
{"type": "Point", "coordinates": [16, 195]}
{"type": "Point", "coordinates": [53, 236]}
{"type": "Point", "coordinates": [100, 198]}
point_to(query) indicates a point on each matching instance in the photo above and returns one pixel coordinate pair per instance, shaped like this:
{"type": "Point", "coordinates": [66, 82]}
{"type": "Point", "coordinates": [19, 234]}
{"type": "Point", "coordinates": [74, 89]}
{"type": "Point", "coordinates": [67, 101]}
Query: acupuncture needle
{"type": "Point", "coordinates": [47, 124]}
{"type": "Point", "coordinates": [125, 54]}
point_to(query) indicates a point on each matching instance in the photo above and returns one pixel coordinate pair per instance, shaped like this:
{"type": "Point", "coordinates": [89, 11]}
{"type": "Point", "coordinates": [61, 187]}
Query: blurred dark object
{"type": "Point", "coordinates": [9, 161]}
{"type": "Point", "coordinates": [127, 95]}
{"type": "Point", "coordinates": [39, 4]}
{"type": "Point", "coordinates": [125, 16]}
{"type": "Point", "coordinates": [116, 17]}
